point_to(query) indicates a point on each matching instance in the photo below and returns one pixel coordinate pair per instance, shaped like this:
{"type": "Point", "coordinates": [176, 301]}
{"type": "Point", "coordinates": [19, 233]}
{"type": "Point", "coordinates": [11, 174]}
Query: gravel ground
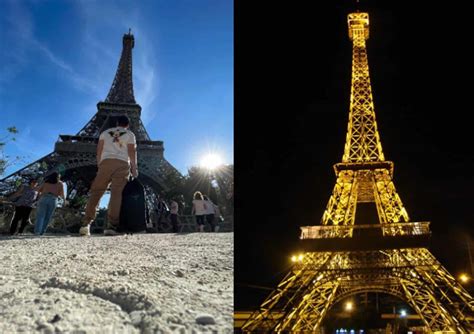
{"type": "Point", "coordinates": [145, 283]}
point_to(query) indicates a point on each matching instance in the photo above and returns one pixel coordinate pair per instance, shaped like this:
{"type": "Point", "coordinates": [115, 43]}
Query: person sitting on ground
{"type": "Point", "coordinates": [199, 209]}
{"type": "Point", "coordinates": [49, 192]}
{"type": "Point", "coordinates": [24, 199]}
{"type": "Point", "coordinates": [116, 158]}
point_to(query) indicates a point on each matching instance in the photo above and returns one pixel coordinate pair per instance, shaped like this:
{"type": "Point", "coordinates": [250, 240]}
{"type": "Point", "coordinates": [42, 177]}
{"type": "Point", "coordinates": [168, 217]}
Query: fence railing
{"type": "Point", "coordinates": [347, 231]}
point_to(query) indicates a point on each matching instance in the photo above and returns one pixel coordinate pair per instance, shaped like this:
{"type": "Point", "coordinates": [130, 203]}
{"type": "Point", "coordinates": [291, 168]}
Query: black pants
{"type": "Point", "coordinates": [174, 222]}
{"type": "Point", "coordinates": [21, 213]}
{"type": "Point", "coordinates": [200, 219]}
{"type": "Point", "coordinates": [210, 221]}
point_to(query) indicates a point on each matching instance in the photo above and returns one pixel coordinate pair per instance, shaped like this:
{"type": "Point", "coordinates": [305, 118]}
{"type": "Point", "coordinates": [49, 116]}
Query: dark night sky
{"type": "Point", "coordinates": [292, 87]}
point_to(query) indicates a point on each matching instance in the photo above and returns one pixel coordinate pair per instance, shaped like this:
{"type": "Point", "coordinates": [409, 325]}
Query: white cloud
{"type": "Point", "coordinates": [145, 84]}
{"type": "Point", "coordinates": [20, 29]}
{"type": "Point", "coordinates": [80, 82]}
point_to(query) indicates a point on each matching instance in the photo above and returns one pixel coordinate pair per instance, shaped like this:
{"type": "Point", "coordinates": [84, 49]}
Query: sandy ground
{"type": "Point", "coordinates": [148, 283]}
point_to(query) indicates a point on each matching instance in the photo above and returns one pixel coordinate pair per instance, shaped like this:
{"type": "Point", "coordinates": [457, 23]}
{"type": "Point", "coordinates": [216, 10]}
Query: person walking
{"type": "Point", "coordinates": [181, 204]}
{"type": "Point", "coordinates": [161, 210]}
{"type": "Point", "coordinates": [210, 212]}
{"type": "Point", "coordinates": [116, 158]}
{"type": "Point", "coordinates": [199, 210]}
{"type": "Point", "coordinates": [174, 215]}
{"type": "Point", "coordinates": [49, 192]}
{"type": "Point", "coordinates": [23, 201]}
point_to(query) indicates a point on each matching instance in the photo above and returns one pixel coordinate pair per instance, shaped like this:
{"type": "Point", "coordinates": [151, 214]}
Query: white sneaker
{"type": "Point", "coordinates": [111, 232]}
{"type": "Point", "coordinates": [84, 231]}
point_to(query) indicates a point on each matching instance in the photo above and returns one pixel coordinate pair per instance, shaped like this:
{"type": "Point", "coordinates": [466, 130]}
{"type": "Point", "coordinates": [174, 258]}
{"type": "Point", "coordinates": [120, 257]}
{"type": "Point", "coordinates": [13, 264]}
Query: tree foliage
{"type": "Point", "coordinates": [218, 184]}
{"type": "Point", "coordinates": [176, 182]}
{"type": "Point", "coordinates": [6, 160]}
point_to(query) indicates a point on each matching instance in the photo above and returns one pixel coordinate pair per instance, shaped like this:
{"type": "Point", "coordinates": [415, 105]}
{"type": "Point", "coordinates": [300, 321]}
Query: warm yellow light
{"type": "Point", "coordinates": [349, 306]}
{"type": "Point", "coordinates": [300, 257]}
{"type": "Point", "coordinates": [464, 278]}
{"type": "Point", "coordinates": [211, 161]}
{"type": "Point", "coordinates": [293, 258]}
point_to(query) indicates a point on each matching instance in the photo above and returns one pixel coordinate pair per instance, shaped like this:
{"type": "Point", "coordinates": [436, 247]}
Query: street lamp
{"type": "Point", "coordinates": [464, 278]}
{"type": "Point", "coordinates": [349, 306]}
{"type": "Point", "coordinates": [297, 258]}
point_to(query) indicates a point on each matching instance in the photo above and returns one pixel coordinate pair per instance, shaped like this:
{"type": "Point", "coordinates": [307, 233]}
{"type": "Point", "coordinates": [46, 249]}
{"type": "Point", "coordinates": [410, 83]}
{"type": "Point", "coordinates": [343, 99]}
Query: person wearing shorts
{"type": "Point", "coordinates": [199, 210]}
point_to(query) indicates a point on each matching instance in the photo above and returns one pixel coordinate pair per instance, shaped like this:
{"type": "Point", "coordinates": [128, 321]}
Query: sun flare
{"type": "Point", "coordinates": [211, 161]}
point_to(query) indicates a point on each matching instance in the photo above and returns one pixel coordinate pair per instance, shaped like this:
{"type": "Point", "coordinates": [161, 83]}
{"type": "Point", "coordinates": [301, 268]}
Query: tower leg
{"type": "Point", "coordinates": [288, 294]}
{"type": "Point", "coordinates": [433, 315]}
{"type": "Point", "coordinates": [308, 315]}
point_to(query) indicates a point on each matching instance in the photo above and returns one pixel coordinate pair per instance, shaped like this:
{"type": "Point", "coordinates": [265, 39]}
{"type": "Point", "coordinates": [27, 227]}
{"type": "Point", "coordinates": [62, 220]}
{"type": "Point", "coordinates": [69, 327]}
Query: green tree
{"type": "Point", "coordinates": [176, 182]}
{"type": "Point", "coordinates": [218, 184]}
{"type": "Point", "coordinates": [6, 160]}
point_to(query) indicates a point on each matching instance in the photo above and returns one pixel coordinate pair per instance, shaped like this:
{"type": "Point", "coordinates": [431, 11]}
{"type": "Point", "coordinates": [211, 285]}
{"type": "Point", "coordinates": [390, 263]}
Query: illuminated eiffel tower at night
{"type": "Point", "coordinates": [345, 255]}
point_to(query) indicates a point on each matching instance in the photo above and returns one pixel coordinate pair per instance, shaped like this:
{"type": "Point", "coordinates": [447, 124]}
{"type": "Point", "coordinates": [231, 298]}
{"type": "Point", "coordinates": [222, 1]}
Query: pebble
{"type": "Point", "coordinates": [124, 272]}
{"type": "Point", "coordinates": [56, 318]}
{"type": "Point", "coordinates": [205, 319]}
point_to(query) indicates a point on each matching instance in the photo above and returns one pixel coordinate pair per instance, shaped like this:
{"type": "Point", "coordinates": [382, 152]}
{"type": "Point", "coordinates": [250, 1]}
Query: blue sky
{"type": "Point", "coordinates": [59, 58]}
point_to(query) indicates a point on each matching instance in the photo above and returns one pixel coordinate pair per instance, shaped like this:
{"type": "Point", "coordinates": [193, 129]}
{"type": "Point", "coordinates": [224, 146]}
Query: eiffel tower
{"type": "Point", "coordinates": [344, 256]}
{"type": "Point", "coordinates": [75, 156]}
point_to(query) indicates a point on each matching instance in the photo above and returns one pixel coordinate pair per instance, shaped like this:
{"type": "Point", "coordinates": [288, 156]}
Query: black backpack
{"type": "Point", "coordinates": [133, 212]}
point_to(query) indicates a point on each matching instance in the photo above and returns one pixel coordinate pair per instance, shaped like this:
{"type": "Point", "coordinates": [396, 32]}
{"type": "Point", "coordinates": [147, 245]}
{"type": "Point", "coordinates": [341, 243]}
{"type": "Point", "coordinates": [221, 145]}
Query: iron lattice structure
{"type": "Point", "coordinates": [343, 256]}
{"type": "Point", "coordinates": [75, 155]}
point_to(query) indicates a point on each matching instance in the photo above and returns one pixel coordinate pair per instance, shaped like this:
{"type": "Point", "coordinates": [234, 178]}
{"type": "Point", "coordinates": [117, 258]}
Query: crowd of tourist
{"type": "Point", "coordinates": [49, 195]}
{"type": "Point", "coordinates": [202, 208]}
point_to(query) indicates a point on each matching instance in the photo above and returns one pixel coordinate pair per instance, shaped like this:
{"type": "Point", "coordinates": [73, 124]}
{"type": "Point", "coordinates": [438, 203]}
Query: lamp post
{"type": "Point", "coordinates": [403, 317]}
{"type": "Point", "coordinates": [349, 306]}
